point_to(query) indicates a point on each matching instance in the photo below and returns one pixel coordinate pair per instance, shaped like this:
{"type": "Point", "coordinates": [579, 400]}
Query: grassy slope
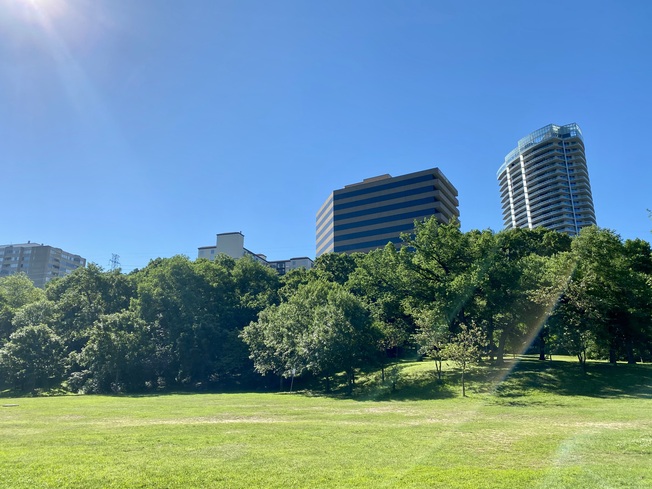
{"type": "Point", "coordinates": [544, 426]}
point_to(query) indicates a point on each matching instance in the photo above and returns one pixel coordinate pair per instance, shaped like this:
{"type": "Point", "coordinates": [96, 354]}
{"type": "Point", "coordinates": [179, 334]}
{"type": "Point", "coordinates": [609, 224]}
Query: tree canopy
{"type": "Point", "coordinates": [182, 324]}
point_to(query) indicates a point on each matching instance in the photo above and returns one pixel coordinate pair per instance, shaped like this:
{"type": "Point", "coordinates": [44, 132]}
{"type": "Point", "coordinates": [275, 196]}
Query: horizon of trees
{"type": "Point", "coordinates": [448, 294]}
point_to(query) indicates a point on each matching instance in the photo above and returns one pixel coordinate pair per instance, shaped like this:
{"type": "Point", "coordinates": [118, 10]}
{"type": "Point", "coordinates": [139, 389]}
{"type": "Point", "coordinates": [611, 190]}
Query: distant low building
{"type": "Point", "coordinates": [41, 263]}
{"type": "Point", "coordinates": [232, 244]}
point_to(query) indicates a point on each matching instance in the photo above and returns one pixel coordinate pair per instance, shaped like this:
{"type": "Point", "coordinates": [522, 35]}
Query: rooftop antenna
{"type": "Point", "coordinates": [114, 262]}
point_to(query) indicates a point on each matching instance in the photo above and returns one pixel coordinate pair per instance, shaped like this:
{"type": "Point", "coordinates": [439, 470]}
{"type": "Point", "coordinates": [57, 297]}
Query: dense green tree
{"type": "Point", "coordinates": [599, 286]}
{"type": "Point", "coordinates": [206, 323]}
{"type": "Point", "coordinates": [560, 302]}
{"type": "Point", "coordinates": [16, 291]}
{"type": "Point", "coordinates": [39, 312]}
{"type": "Point", "coordinates": [381, 283]}
{"type": "Point", "coordinates": [444, 269]}
{"type": "Point", "coordinates": [291, 281]}
{"type": "Point", "coordinates": [199, 309]}
{"type": "Point", "coordinates": [120, 354]}
{"type": "Point", "coordinates": [505, 308]}
{"type": "Point", "coordinates": [274, 339]}
{"type": "Point", "coordinates": [335, 267]}
{"type": "Point", "coordinates": [178, 303]}
{"type": "Point", "coordinates": [82, 297]}
{"type": "Point", "coordinates": [322, 328]}
{"type": "Point", "coordinates": [33, 358]}
{"type": "Point", "coordinates": [256, 287]}
{"type": "Point", "coordinates": [601, 295]}
{"type": "Point", "coordinates": [341, 336]}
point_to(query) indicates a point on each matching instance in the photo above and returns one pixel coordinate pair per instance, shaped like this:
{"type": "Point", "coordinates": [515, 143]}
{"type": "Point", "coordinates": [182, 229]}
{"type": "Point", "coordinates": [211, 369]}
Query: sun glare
{"type": "Point", "coordinates": [34, 11]}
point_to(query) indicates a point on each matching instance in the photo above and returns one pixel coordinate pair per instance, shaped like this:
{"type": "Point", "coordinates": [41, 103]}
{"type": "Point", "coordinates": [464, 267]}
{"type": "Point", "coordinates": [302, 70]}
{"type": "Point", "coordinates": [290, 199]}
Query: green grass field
{"type": "Point", "coordinates": [534, 425]}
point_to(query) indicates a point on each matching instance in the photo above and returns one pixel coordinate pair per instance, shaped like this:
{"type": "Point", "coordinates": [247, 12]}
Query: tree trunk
{"type": "Point", "coordinates": [328, 384]}
{"type": "Point", "coordinates": [350, 380]}
{"type": "Point", "coordinates": [490, 337]}
{"type": "Point", "coordinates": [500, 354]}
{"type": "Point", "coordinates": [581, 356]}
{"type": "Point", "coordinates": [542, 345]}
{"type": "Point", "coordinates": [463, 385]}
{"type": "Point", "coordinates": [631, 359]}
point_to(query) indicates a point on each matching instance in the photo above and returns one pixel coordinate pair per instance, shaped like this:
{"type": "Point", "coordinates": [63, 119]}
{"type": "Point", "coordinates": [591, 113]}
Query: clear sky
{"type": "Point", "coordinates": [143, 128]}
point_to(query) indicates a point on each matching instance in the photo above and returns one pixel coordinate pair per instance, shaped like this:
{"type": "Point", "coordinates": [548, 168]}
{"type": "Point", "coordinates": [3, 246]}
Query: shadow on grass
{"type": "Point", "coordinates": [565, 378]}
{"type": "Point", "coordinates": [512, 382]}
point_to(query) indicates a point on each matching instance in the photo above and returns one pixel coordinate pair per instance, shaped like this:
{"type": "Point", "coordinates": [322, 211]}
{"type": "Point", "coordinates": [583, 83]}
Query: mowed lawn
{"type": "Point", "coordinates": [546, 426]}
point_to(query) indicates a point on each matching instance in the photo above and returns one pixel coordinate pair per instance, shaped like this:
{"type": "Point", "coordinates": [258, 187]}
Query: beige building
{"type": "Point", "coordinates": [41, 263]}
{"type": "Point", "coordinates": [364, 216]}
{"type": "Point", "coordinates": [232, 244]}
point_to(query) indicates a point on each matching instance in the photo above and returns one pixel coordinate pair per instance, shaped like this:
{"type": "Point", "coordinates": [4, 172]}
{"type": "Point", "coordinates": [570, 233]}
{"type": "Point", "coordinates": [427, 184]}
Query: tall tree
{"type": "Point", "coordinates": [16, 291]}
{"type": "Point", "coordinates": [322, 328]}
{"type": "Point", "coordinates": [33, 358]}
{"type": "Point", "coordinates": [335, 267]}
{"type": "Point", "coordinates": [82, 297]}
{"type": "Point", "coordinates": [120, 354]}
{"type": "Point", "coordinates": [505, 308]}
{"type": "Point", "coordinates": [382, 285]}
{"type": "Point", "coordinates": [341, 336]}
{"type": "Point", "coordinates": [445, 267]}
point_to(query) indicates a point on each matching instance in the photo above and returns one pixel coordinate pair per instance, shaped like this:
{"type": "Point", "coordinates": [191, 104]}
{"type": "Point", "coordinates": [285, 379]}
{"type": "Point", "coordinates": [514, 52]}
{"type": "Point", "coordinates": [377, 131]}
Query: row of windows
{"type": "Point", "coordinates": [375, 232]}
{"type": "Point", "coordinates": [387, 186]}
{"type": "Point", "coordinates": [385, 208]}
{"type": "Point", "coordinates": [325, 208]}
{"type": "Point", "coordinates": [326, 217]}
{"type": "Point", "coordinates": [381, 198]}
{"type": "Point", "coordinates": [322, 247]}
{"type": "Point", "coordinates": [323, 236]}
{"type": "Point", "coordinates": [15, 251]}
{"type": "Point", "coordinates": [387, 219]}
{"type": "Point", "coordinates": [366, 245]}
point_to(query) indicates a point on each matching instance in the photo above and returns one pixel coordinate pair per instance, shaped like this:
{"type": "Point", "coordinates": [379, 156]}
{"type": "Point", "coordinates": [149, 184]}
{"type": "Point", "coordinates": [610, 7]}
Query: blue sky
{"type": "Point", "coordinates": [143, 128]}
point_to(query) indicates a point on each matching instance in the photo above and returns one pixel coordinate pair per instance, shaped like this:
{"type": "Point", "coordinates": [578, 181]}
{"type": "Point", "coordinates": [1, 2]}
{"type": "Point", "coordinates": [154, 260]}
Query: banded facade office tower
{"type": "Point", "coordinates": [544, 182]}
{"type": "Point", "coordinates": [364, 216]}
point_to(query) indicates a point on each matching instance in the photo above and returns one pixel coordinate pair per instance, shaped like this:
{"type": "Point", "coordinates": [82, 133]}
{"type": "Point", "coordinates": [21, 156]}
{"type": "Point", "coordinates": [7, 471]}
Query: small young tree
{"type": "Point", "coordinates": [465, 349]}
{"type": "Point", "coordinates": [431, 337]}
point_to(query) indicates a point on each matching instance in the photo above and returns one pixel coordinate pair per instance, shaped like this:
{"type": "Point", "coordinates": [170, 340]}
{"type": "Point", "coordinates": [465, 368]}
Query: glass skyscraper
{"type": "Point", "coordinates": [544, 182]}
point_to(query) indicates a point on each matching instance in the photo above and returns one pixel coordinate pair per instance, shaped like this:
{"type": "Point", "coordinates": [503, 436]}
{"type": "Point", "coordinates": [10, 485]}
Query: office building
{"type": "Point", "coordinates": [232, 245]}
{"type": "Point", "coordinates": [368, 215]}
{"type": "Point", "coordinates": [41, 263]}
{"type": "Point", "coordinates": [544, 182]}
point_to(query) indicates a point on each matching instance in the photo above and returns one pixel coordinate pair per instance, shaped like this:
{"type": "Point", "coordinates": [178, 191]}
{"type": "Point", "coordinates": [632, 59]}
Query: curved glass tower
{"type": "Point", "coordinates": [544, 182]}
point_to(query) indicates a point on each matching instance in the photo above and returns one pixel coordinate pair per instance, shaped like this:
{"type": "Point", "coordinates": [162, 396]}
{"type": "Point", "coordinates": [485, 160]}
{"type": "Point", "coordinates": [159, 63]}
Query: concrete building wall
{"type": "Point", "coordinates": [41, 263]}
{"type": "Point", "coordinates": [232, 244]}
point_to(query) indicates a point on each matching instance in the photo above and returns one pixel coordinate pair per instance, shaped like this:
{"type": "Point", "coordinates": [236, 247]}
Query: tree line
{"type": "Point", "coordinates": [448, 294]}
